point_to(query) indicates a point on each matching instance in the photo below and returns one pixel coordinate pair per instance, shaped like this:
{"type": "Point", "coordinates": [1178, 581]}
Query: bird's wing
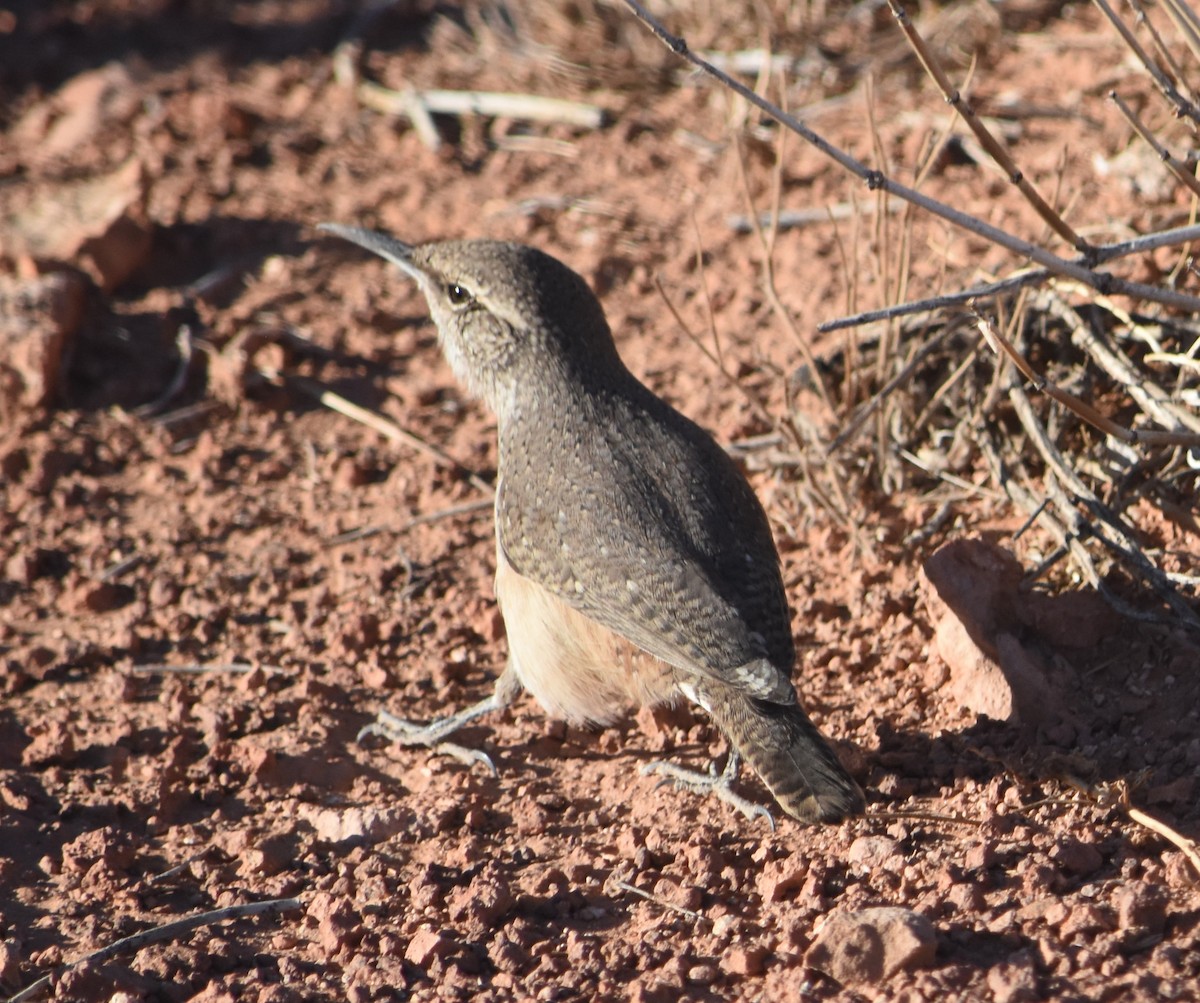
{"type": "Point", "coordinates": [650, 530]}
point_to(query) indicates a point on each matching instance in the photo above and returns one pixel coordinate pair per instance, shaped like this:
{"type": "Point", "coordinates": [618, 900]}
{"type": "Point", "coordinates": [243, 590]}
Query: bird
{"type": "Point", "coordinates": [635, 564]}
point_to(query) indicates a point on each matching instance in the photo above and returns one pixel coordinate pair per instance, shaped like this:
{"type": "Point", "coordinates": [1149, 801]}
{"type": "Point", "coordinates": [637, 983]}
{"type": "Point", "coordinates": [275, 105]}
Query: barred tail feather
{"type": "Point", "coordinates": [790, 755]}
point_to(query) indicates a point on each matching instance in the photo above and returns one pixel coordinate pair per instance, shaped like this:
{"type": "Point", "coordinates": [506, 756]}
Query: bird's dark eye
{"type": "Point", "coordinates": [458, 295]}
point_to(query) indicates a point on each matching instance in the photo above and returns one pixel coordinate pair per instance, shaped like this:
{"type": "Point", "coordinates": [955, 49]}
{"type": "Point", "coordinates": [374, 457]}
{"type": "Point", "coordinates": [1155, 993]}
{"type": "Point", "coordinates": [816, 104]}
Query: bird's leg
{"type": "Point", "coordinates": [710, 782]}
{"type": "Point", "coordinates": [431, 733]}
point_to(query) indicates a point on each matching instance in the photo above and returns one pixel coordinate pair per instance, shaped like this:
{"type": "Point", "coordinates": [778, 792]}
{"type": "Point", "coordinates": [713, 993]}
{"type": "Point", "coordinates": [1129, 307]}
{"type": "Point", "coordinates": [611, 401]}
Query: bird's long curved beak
{"type": "Point", "coordinates": [389, 248]}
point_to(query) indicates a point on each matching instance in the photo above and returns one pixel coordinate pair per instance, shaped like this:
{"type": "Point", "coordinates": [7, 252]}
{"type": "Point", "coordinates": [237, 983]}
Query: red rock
{"type": "Point", "coordinates": [1077, 857]}
{"type": "Point", "coordinates": [980, 856]}
{"type": "Point", "coordinates": [1014, 980]}
{"type": "Point", "coordinates": [1071, 619]}
{"type": "Point", "coordinates": [54, 745]}
{"type": "Point", "coordinates": [483, 901]}
{"type": "Point", "coordinates": [426, 945]}
{"type": "Point", "coordinates": [261, 763]}
{"type": "Point", "coordinates": [972, 590]}
{"type": "Point", "coordinates": [41, 317]}
{"type": "Point", "coordinates": [1087, 918]}
{"type": "Point", "coordinates": [90, 980]}
{"type": "Point", "coordinates": [85, 102]}
{"type": "Point", "coordinates": [650, 990]}
{"type": "Point", "coordinates": [1051, 910]}
{"type": "Point", "coordinates": [871, 852]}
{"type": "Point", "coordinates": [746, 959]}
{"type": "Point", "coordinates": [872, 945]}
{"type": "Point", "coordinates": [101, 597]}
{"type": "Point", "coordinates": [977, 580]}
{"type": "Point", "coordinates": [338, 924]}
{"type": "Point", "coordinates": [10, 961]}
{"type": "Point", "coordinates": [1142, 907]}
{"type": "Point", "coordinates": [268, 855]}
{"type": "Point", "coordinates": [98, 224]}
{"type": "Point", "coordinates": [104, 845]}
{"type": "Point", "coordinates": [779, 879]}
{"type": "Point", "coordinates": [965, 898]}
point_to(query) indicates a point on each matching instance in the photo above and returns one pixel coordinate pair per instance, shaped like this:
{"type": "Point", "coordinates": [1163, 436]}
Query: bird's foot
{"type": "Point", "coordinates": [432, 733]}
{"type": "Point", "coordinates": [720, 785]}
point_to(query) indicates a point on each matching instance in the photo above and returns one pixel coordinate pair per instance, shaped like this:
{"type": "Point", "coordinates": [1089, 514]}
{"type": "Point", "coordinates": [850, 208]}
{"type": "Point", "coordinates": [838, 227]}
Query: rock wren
{"type": "Point", "coordinates": [634, 562]}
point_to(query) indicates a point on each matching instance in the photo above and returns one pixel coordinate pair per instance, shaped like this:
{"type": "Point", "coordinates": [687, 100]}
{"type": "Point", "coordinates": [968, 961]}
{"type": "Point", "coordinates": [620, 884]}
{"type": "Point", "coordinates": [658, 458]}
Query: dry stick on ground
{"type": "Point", "coordinates": [168, 931]}
{"type": "Point", "coordinates": [384, 426]}
{"type": "Point", "coordinates": [527, 107]}
{"type": "Point", "coordinates": [1116, 795]}
{"type": "Point", "coordinates": [691, 914]}
{"type": "Point", "coordinates": [790, 219]}
{"type": "Point", "coordinates": [1078, 269]}
{"type": "Point", "coordinates": [419, 106]}
{"type": "Point", "coordinates": [214, 667]}
{"type": "Point", "coordinates": [997, 152]}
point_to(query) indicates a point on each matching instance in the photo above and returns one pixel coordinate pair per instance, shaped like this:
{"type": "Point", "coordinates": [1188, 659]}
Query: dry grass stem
{"type": "Point", "coordinates": [768, 283]}
{"type": "Point", "coordinates": [1116, 795]}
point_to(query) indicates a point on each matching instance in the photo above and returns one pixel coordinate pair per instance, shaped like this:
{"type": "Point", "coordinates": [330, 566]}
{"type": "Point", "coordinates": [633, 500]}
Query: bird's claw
{"type": "Point", "coordinates": [403, 732]}
{"type": "Point", "coordinates": [719, 785]}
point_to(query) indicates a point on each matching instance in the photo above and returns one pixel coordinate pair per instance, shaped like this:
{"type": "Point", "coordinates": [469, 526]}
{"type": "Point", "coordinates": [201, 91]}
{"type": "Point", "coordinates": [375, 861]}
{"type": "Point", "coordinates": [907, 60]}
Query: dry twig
{"type": "Point", "coordinates": [1080, 269]}
{"type": "Point", "coordinates": [384, 426]}
{"type": "Point", "coordinates": [1001, 346]}
{"type": "Point", "coordinates": [997, 152]}
{"type": "Point", "coordinates": [167, 931]}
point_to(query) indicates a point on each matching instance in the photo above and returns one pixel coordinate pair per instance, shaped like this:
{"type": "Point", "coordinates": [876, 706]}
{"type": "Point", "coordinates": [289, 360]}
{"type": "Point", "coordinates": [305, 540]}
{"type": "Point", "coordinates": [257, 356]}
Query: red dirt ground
{"type": "Point", "coordinates": [241, 523]}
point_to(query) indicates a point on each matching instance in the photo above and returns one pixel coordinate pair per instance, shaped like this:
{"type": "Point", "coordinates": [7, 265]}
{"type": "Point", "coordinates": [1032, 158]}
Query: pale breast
{"type": "Point", "coordinates": [577, 669]}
